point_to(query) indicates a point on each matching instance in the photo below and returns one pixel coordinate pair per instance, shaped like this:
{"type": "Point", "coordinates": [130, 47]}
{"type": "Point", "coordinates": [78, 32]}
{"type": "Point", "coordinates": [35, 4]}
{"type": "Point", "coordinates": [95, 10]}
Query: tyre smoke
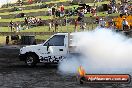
{"type": "Point", "coordinates": [103, 50]}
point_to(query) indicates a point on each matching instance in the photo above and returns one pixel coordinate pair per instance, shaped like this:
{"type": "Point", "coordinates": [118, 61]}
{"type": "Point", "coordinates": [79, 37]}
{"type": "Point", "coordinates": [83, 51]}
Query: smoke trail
{"type": "Point", "coordinates": [105, 52]}
{"type": "Point", "coordinates": [2, 2]}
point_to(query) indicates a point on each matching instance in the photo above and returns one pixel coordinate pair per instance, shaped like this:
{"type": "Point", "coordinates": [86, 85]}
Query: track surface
{"type": "Point", "coordinates": [15, 74]}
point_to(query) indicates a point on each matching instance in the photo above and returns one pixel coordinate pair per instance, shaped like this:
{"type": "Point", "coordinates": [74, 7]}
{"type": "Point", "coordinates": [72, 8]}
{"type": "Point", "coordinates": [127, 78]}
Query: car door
{"type": "Point", "coordinates": [56, 48]}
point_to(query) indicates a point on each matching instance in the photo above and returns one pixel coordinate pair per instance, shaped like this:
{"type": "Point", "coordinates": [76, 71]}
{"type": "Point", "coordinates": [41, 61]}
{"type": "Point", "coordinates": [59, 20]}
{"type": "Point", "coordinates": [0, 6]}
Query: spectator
{"type": "Point", "coordinates": [102, 22]}
{"type": "Point", "coordinates": [110, 24]}
{"type": "Point", "coordinates": [124, 24]}
{"type": "Point", "coordinates": [53, 11]}
{"type": "Point", "coordinates": [82, 25]}
{"type": "Point", "coordinates": [7, 40]}
{"type": "Point", "coordinates": [81, 14]}
{"type": "Point", "coordinates": [58, 13]}
{"type": "Point", "coordinates": [56, 25]}
{"type": "Point", "coordinates": [97, 19]}
{"type": "Point", "coordinates": [76, 24]}
{"type": "Point", "coordinates": [49, 11]}
{"type": "Point", "coordinates": [113, 24]}
{"type": "Point", "coordinates": [26, 22]}
{"type": "Point", "coordinates": [93, 11]}
{"type": "Point", "coordinates": [11, 25]}
{"type": "Point", "coordinates": [65, 21]}
{"type": "Point", "coordinates": [50, 26]}
{"type": "Point", "coordinates": [71, 1]}
{"type": "Point", "coordinates": [17, 27]}
{"type": "Point", "coordinates": [85, 11]}
{"type": "Point", "coordinates": [39, 22]}
{"type": "Point", "coordinates": [30, 1]}
{"type": "Point", "coordinates": [62, 10]}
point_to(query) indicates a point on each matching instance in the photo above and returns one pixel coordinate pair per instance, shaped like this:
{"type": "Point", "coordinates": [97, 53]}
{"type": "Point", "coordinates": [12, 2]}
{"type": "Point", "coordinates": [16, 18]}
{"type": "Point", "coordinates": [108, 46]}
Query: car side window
{"type": "Point", "coordinates": [57, 40]}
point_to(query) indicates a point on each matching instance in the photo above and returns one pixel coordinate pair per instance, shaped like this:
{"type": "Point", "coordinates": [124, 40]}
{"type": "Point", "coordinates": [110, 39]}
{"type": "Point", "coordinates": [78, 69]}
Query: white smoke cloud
{"type": "Point", "coordinates": [105, 51]}
{"type": "Point", "coordinates": [7, 1]}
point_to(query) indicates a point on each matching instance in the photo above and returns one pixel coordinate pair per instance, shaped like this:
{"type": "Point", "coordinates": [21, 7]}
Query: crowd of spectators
{"type": "Point", "coordinates": [61, 12]}
{"type": "Point", "coordinates": [118, 23]}
{"type": "Point", "coordinates": [33, 21]}
{"type": "Point", "coordinates": [14, 26]}
{"type": "Point", "coordinates": [122, 7]}
{"type": "Point", "coordinates": [28, 23]}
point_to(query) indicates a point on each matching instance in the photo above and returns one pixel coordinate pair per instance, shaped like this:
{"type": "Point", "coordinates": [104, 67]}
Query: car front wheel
{"type": "Point", "coordinates": [31, 60]}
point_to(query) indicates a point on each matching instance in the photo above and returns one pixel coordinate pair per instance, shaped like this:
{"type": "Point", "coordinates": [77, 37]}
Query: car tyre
{"type": "Point", "coordinates": [31, 60]}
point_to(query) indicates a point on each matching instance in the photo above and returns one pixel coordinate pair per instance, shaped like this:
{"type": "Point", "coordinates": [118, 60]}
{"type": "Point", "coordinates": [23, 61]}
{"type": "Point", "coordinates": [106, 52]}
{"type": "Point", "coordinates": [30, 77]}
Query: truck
{"type": "Point", "coordinates": [52, 51]}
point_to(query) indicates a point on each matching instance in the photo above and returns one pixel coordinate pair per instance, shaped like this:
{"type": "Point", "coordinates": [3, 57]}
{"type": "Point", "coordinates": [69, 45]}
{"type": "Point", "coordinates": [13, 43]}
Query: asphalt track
{"type": "Point", "coordinates": [15, 74]}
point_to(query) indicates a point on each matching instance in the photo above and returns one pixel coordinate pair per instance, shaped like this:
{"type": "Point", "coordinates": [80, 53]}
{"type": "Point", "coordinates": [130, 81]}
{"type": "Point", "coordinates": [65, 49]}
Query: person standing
{"type": "Point", "coordinates": [50, 26]}
{"type": "Point", "coordinates": [102, 23]}
{"type": "Point", "coordinates": [7, 40]}
{"type": "Point", "coordinates": [53, 12]}
{"type": "Point", "coordinates": [11, 25]}
{"type": "Point", "coordinates": [56, 25]}
{"type": "Point", "coordinates": [124, 24]}
{"type": "Point", "coordinates": [62, 10]}
{"type": "Point", "coordinates": [30, 1]}
{"type": "Point", "coordinates": [17, 27]}
{"type": "Point", "coordinates": [97, 20]}
{"type": "Point", "coordinates": [76, 24]}
{"type": "Point", "coordinates": [26, 22]}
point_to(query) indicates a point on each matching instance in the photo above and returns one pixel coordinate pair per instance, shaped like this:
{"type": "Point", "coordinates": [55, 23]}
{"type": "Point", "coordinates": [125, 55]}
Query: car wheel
{"type": "Point", "coordinates": [31, 60]}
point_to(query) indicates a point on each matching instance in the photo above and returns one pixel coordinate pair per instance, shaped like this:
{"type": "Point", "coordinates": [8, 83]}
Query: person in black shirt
{"type": "Point", "coordinates": [11, 25]}
{"type": "Point", "coordinates": [56, 25]}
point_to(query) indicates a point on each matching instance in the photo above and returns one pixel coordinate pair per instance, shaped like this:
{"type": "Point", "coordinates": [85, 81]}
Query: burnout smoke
{"type": "Point", "coordinates": [105, 51]}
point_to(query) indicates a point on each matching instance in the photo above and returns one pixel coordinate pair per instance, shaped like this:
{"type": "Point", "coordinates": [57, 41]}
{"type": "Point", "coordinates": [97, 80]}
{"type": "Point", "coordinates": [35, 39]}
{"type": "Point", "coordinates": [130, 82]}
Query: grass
{"type": "Point", "coordinates": [50, 17]}
{"type": "Point", "coordinates": [28, 11]}
{"type": "Point", "coordinates": [2, 40]}
{"type": "Point", "coordinates": [98, 3]}
{"type": "Point", "coordinates": [45, 9]}
{"type": "Point", "coordinates": [35, 29]}
{"type": "Point", "coordinates": [46, 29]}
{"type": "Point", "coordinates": [56, 1]}
{"type": "Point", "coordinates": [69, 28]}
{"type": "Point", "coordinates": [104, 14]}
{"type": "Point", "coordinates": [4, 29]}
{"type": "Point", "coordinates": [60, 29]}
{"type": "Point", "coordinates": [24, 11]}
{"type": "Point", "coordinates": [22, 19]}
{"type": "Point", "coordinates": [14, 20]}
{"type": "Point", "coordinates": [41, 38]}
{"type": "Point", "coordinates": [34, 10]}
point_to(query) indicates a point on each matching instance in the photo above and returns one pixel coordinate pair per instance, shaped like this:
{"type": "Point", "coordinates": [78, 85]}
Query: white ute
{"type": "Point", "coordinates": [53, 50]}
